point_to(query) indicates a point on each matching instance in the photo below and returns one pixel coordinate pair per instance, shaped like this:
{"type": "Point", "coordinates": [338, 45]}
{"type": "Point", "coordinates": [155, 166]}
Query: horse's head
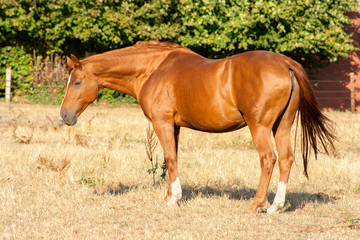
{"type": "Point", "coordinates": [82, 89]}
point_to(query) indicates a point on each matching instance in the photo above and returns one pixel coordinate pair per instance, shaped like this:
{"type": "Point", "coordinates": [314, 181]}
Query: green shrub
{"type": "Point", "coordinates": [20, 63]}
{"type": "Point", "coordinates": [300, 29]}
{"type": "Point", "coordinates": [112, 96]}
{"type": "Point", "coordinates": [215, 28]}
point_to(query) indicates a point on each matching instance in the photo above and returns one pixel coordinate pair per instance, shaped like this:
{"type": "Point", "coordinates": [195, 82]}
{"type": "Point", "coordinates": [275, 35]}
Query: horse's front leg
{"type": "Point", "coordinates": [168, 135]}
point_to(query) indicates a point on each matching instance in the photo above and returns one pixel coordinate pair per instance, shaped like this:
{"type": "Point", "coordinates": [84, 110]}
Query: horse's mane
{"type": "Point", "coordinates": [138, 45]}
{"type": "Point", "coordinates": [141, 44]}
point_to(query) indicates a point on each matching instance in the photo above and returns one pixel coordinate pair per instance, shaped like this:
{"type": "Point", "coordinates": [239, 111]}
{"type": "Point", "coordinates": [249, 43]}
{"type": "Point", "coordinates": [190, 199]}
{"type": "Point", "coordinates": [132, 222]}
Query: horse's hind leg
{"type": "Point", "coordinates": [286, 158]}
{"type": "Point", "coordinates": [262, 141]}
{"type": "Point", "coordinates": [285, 154]}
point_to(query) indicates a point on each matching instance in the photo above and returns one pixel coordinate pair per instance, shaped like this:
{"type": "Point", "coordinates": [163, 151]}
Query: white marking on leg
{"type": "Point", "coordinates": [176, 192]}
{"type": "Point", "coordinates": [67, 85]}
{"type": "Point", "coordinates": [279, 199]}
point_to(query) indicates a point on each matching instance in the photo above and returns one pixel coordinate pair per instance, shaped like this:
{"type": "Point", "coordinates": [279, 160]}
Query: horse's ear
{"type": "Point", "coordinates": [70, 64]}
{"type": "Point", "coordinates": [73, 62]}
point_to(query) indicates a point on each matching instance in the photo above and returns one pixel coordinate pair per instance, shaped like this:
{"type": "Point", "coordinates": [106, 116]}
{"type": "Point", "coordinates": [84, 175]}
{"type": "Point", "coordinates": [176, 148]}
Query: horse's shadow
{"type": "Point", "coordinates": [294, 200]}
{"type": "Point", "coordinates": [118, 189]}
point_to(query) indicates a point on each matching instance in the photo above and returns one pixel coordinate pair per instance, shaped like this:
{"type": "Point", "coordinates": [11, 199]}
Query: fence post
{"type": "Point", "coordinates": [8, 85]}
{"type": "Point", "coordinates": [352, 92]}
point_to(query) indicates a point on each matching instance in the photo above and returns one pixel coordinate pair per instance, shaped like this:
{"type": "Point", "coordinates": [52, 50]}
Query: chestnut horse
{"type": "Point", "coordinates": [176, 87]}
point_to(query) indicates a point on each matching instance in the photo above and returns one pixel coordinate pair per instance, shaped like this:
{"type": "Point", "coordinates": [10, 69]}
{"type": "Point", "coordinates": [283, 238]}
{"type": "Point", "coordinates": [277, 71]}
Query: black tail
{"type": "Point", "coordinates": [315, 125]}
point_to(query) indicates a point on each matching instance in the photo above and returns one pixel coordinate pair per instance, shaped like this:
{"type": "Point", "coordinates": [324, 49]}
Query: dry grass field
{"type": "Point", "coordinates": [91, 181]}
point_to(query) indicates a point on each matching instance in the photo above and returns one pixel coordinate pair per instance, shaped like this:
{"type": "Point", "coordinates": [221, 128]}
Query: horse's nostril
{"type": "Point", "coordinates": [68, 118]}
{"type": "Point", "coordinates": [64, 116]}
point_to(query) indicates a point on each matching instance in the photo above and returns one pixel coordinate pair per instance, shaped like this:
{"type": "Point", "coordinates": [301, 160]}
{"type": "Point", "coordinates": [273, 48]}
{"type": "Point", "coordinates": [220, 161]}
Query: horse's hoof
{"type": "Point", "coordinates": [261, 210]}
{"type": "Point", "coordinates": [272, 210]}
{"type": "Point", "coordinates": [172, 201]}
{"type": "Point", "coordinates": [251, 210]}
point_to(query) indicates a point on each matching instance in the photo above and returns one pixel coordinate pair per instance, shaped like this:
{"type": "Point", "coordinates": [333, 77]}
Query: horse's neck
{"type": "Point", "coordinates": [126, 72]}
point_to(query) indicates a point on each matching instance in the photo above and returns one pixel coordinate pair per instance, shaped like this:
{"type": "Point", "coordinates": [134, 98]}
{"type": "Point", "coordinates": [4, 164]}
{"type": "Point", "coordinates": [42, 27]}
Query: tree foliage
{"type": "Point", "coordinates": [302, 27]}
{"type": "Point", "coordinates": [214, 28]}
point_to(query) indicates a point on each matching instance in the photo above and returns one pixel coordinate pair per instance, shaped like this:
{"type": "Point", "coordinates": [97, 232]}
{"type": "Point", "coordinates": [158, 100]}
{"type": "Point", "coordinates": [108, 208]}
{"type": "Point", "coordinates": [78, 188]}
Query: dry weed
{"type": "Point", "coordinates": [150, 143]}
{"type": "Point", "coordinates": [105, 161]}
{"type": "Point", "coordinates": [81, 140]}
{"type": "Point", "coordinates": [150, 146]}
{"type": "Point", "coordinates": [54, 126]}
{"type": "Point", "coordinates": [46, 163]}
{"type": "Point", "coordinates": [22, 139]}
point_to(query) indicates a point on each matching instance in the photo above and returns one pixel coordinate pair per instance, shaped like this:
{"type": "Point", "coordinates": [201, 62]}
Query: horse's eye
{"type": "Point", "coordinates": [76, 84]}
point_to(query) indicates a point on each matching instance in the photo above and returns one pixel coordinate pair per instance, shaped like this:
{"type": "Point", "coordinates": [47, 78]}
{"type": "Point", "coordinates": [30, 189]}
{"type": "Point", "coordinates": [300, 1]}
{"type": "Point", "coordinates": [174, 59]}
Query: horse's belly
{"type": "Point", "coordinates": [214, 122]}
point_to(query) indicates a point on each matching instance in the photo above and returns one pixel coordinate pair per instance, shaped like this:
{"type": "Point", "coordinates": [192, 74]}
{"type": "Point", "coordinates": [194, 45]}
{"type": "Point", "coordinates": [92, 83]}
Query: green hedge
{"type": "Point", "coordinates": [21, 66]}
{"type": "Point", "coordinates": [213, 28]}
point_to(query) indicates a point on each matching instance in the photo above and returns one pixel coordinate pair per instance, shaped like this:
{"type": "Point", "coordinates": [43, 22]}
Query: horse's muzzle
{"type": "Point", "coordinates": [68, 118]}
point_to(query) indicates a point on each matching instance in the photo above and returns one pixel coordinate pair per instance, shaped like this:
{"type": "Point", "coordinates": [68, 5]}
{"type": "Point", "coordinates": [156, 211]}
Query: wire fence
{"type": "Point", "coordinates": [336, 94]}
{"type": "Point", "coordinates": [346, 94]}
{"type": "Point", "coordinates": [32, 86]}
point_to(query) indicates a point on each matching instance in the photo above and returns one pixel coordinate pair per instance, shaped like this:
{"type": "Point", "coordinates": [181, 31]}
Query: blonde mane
{"type": "Point", "coordinates": [138, 45]}
{"type": "Point", "coordinates": [141, 44]}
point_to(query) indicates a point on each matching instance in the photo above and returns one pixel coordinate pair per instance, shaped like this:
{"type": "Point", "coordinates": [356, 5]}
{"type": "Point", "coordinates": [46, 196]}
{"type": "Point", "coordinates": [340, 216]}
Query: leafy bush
{"type": "Point", "coordinates": [112, 96]}
{"type": "Point", "coordinates": [297, 28]}
{"type": "Point", "coordinates": [213, 28]}
{"type": "Point", "coordinates": [20, 63]}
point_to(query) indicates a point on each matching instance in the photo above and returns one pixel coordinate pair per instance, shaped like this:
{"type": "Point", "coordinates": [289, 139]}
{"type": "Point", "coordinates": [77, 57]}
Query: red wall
{"type": "Point", "coordinates": [334, 80]}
